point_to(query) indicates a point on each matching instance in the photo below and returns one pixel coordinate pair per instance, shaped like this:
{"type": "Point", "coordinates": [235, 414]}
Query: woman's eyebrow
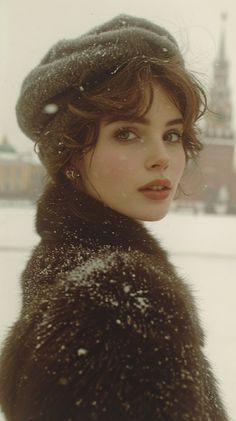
{"type": "Point", "coordinates": [143, 120]}
{"type": "Point", "coordinates": [175, 121]}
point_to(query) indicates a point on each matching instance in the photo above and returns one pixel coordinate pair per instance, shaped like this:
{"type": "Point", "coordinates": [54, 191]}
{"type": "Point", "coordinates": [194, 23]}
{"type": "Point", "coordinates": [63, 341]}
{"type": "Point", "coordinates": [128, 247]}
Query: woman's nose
{"type": "Point", "coordinates": [158, 156]}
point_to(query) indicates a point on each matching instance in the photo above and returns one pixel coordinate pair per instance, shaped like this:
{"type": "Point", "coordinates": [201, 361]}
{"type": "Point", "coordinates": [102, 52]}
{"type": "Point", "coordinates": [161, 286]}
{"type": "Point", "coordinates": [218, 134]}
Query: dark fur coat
{"type": "Point", "coordinates": [108, 331]}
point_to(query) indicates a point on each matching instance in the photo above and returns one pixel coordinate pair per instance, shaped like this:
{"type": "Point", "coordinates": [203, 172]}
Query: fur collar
{"type": "Point", "coordinates": [68, 216]}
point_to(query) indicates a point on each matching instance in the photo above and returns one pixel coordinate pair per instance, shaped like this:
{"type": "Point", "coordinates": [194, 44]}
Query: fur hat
{"type": "Point", "coordinates": [78, 62]}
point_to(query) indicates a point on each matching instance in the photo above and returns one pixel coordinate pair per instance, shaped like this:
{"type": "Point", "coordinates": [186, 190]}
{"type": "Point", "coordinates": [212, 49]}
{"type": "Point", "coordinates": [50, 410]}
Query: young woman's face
{"type": "Point", "coordinates": [136, 166]}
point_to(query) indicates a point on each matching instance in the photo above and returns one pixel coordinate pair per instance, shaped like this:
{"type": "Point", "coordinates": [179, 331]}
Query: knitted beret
{"type": "Point", "coordinates": [75, 63]}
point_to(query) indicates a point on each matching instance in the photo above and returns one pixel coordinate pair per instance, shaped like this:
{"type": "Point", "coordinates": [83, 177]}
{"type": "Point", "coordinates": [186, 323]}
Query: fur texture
{"type": "Point", "coordinates": [108, 331]}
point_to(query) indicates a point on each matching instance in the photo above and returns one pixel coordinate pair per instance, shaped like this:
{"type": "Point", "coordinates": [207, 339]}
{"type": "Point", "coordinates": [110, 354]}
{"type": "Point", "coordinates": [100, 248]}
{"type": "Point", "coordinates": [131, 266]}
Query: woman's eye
{"type": "Point", "coordinates": [125, 134]}
{"type": "Point", "coordinates": [173, 137]}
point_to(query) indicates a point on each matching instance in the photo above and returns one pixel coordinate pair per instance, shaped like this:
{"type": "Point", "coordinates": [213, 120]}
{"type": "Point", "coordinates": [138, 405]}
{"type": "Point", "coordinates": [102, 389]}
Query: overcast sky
{"type": "Point", "coordinates": [28, 28]}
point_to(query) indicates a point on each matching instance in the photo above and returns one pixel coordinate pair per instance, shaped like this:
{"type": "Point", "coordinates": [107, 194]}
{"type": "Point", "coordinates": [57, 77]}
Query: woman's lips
{"type": "Point", "coordinates": [158, 189]}
{"type": "Point", "coordinates": [158, 182]}
{"type": "Point", "coordinates": [156, 194]}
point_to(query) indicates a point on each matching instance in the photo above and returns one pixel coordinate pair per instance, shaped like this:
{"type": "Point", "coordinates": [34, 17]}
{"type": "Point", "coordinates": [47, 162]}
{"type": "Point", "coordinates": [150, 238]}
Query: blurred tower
{"type": "Point", "coordinates": [217, 158]}
{"type": "Point", "coordinates": [218, 123]}
{"type": "Point", "coordinates": [211, 184]}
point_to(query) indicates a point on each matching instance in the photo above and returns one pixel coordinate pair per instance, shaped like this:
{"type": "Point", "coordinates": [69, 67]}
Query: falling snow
{"type": "Point", "coordinates": [82, 351]}
{"type": "Point", "coordinates": [50, 108]}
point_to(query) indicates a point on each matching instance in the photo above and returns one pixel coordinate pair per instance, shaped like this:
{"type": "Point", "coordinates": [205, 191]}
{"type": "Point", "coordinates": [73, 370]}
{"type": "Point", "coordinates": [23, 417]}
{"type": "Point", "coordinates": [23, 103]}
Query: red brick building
{"type": "Point", "coordinates": [211, 184]}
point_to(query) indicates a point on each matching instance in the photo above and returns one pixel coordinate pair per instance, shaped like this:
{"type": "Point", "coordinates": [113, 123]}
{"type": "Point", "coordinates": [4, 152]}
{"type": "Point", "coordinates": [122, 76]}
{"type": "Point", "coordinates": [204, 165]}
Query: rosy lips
{"type": "Point", "coordinates": [158, 189]}
{"type": "Point", "coordinates": [156, 194]}
{"type": "Point", "coordinates": [162, 182]}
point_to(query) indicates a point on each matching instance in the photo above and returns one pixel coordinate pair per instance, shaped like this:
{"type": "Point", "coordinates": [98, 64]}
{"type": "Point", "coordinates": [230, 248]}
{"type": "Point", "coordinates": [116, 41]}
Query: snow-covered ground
{"type": "Point", "coordinates": [202, 247]}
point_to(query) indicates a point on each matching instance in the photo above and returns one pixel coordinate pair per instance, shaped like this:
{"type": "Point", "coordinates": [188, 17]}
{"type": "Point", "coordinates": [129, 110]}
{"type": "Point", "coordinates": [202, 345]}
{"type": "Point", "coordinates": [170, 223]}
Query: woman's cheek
{"type": "Point", "coordinates": [179, 163]}
{"type": "Point", "coordinates": [113, 165]}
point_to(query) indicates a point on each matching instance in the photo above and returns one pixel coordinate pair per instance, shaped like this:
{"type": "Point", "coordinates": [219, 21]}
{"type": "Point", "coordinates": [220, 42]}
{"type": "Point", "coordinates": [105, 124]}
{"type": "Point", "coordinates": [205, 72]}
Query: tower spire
{"type": "Point", "coordinates": [218, 123]}
{"type": "Point", "coordinates": [222, 54]}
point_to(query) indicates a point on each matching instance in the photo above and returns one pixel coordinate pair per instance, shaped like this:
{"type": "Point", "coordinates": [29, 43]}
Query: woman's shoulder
{"type": "Point", "coordinates": [109, 277]}
{"type": "Point", "coordinates": [90, 269]}
{"type": "Point", "coordinates": [108, 264]}
{"type": "Point", "coordinates": [115, 275]}
{"type": "Point", "coordinates": [121, 287]}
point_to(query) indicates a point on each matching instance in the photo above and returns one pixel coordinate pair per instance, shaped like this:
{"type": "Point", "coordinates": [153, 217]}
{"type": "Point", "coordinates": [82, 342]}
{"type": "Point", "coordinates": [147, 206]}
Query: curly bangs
{"type": "Point", "coordinates": [125, 95]}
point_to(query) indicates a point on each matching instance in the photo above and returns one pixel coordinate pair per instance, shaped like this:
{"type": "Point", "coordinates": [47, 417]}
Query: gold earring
{"type": "Point", "coordinates": [72, 175]}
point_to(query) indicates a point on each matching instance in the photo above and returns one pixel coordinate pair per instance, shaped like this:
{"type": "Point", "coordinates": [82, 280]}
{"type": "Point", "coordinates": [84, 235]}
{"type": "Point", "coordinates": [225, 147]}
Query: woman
{"type": "Point", "coordinates": [108, 331]}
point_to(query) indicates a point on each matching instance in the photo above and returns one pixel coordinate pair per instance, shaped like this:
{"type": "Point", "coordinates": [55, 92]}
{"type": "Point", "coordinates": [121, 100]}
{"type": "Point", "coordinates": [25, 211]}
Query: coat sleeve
{"type": "Point", "coordinates": [112, 341]}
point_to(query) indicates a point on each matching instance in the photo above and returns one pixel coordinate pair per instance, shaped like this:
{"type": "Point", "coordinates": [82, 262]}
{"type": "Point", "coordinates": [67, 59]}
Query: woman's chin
{"type": "Point", "coordinates": [155, 216]}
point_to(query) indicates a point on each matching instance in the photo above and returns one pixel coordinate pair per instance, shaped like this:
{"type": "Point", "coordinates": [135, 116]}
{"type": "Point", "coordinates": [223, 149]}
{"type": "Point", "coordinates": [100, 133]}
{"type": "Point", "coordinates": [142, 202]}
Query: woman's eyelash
{"type": "Point", "coordinates": [125, 134]}
{"type": "Point", "coordinates": [173, 136]}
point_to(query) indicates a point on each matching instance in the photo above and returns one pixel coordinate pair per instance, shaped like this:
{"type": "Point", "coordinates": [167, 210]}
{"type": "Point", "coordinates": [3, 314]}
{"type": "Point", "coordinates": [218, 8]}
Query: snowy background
{"type": "Point", "coordinates": [203, 248]}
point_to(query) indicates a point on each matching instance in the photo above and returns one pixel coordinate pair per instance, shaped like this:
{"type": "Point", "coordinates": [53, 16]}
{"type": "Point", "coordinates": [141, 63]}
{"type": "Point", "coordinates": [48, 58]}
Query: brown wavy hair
{"type": "Point", "coordinates": [124, 95]}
